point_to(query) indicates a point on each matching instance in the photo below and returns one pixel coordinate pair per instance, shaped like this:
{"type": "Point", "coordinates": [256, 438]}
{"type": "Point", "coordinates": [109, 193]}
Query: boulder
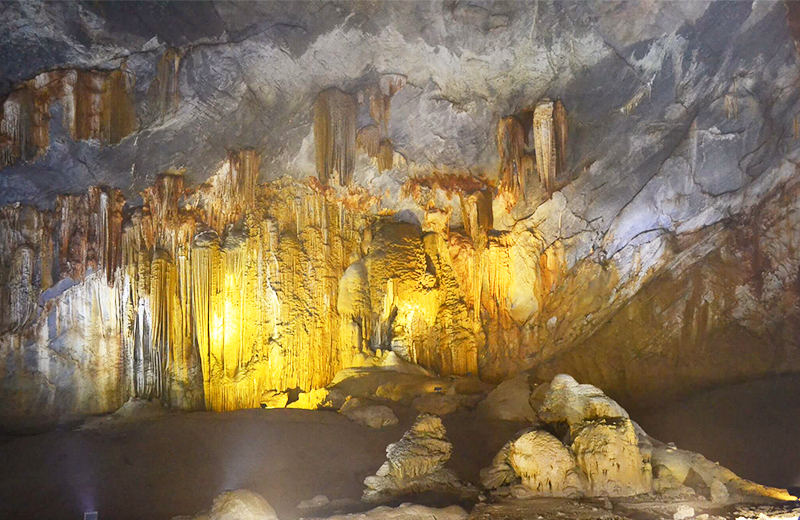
{"type": "Point", "coordinates": [241, 504]}
{"type": "Point", "coordinates": [568, 401]}
{"type": "Point", "coordinates": [416, 463]}
{"type": "Point", "coordinates": [367, 414]}
{"type": "Point", "coordinates": [444, 404]}
{"type": "Point", "coordinates": [675, 467]}
{"type": "Point", "coordinates": [407, 512]}
{"type": "Point", "coordinates": [509, 401]}
{"type": "Point", "coordinates": [607, 450]}
{"type": "Point", "coordinates": [546, 467]}
{"type": "Point", "coordinates": [314, 503]}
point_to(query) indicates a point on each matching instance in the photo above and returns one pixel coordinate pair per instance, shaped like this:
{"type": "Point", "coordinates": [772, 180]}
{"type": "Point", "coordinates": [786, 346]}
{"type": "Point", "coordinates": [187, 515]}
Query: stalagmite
{"type": "Point", "coordinates": [335, 136]}
{"type": "Point", "coordinates": [545, 143]}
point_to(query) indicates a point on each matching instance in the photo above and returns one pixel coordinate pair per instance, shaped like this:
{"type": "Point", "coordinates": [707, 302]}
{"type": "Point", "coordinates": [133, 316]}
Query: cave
{"type": "Point", "coordinates": [447, 259]}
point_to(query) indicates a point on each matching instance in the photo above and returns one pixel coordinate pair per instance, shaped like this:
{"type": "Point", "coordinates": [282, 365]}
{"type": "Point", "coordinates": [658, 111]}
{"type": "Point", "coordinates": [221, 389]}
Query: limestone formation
{"type": "Point", "coordinates": [95, 104]}
{"type": "Point", "coordinates": [178, 169]}
{"type": "Point", "coordinates": [510, 147]}
{"type": "Point", "coordinates": [603, 453]}
{"type": "Point", "coordinates": [607, 451]}
{"type": "Point", "coordinates": [415, 463]}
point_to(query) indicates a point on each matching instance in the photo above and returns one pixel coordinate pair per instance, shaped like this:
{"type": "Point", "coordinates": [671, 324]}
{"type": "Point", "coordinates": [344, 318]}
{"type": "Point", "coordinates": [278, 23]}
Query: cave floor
{"type": "Point", "coordinates": [176, 463]}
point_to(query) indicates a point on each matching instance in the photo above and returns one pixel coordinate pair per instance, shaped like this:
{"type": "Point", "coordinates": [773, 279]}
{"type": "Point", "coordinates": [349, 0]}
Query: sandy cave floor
{"type": "Point", "coordinates": [177, 463]}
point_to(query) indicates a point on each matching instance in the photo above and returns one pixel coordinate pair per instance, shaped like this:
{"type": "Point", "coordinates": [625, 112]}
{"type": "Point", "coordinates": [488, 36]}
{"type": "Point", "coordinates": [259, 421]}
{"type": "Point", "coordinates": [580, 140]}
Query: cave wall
{"type": "Point", "coordinates": [242, 199]}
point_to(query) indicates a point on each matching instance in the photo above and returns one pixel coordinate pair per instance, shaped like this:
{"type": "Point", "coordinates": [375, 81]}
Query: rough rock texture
{"type": "Point", "coordinates": [238, 198]}
{"type": "Point", "coordinates": [603, 453]}
{"type": "Point", "coordinates": [241, 504]}
{"type": "Point", "coordinates": [415, 463]}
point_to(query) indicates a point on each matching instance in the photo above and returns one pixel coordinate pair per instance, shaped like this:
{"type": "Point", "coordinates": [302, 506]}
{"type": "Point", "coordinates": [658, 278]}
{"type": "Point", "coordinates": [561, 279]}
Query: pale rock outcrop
{"type": "Point", "coordinates": [509, 401]}
{"type": "Point", "coordinates": [368, 414]}
{"type": "Point", "coordinates": [602, 437]}
{"type": "Point", "coordinates": [415, 463]}
{"type": "Point", "coordinates": [407, 512]}
{"type": "Point", "coordinates": [241, 504]}
{"type": "Point", "coordinates": [605, 454]}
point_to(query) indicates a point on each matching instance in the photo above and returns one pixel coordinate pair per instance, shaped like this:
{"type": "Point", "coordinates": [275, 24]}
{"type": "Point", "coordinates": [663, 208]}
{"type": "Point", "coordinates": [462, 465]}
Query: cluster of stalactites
{"type": "Point", "coordinates": [335, 135]}
{"type": "Point", "coordinates": [94, 105]}
{"type": "Point", "coordinates": [547, 140]}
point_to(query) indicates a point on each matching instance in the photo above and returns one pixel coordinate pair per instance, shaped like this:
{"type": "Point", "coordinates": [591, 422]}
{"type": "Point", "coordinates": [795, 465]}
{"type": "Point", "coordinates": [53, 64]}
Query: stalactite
{"type": "Point", "coordinates": [118, 114]}
{"type": "Point", "coordinates": [88, 105]}
{"type": "Point", "coordinates": [206, 272]}
{"type": "Point", "coordinates": [386, 155]}
{"type": "Point", "coordinates": [510, 147]}
{"type": "Point", "coordinates": [164, 94]}
{"type": "Point", "coordinates": [335, 135]}
{"type": "Point", "coordinates": [561, 126]}
{"type": "Point", "coordinates": [380, 109]}
{"type": "Point", "coordinates": [73, 216]}
{"type": "Point", "coordinates": [16, 128]}
{"type": "Point", "coordinates": [368, 140]}
{"type": "Point", "coordinates": [226, 198]}
{"type": "Point", "coordinates": [545, 144]}
{"type": "Point", "coordinates": [244, 289]}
